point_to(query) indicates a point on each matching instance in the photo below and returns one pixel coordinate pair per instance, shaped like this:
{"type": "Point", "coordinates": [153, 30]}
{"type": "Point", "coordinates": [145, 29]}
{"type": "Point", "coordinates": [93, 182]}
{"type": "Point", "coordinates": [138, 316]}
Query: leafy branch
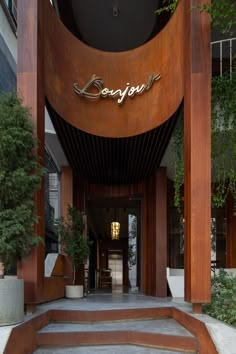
{"type": "Point", "coordinates": [222, 12]}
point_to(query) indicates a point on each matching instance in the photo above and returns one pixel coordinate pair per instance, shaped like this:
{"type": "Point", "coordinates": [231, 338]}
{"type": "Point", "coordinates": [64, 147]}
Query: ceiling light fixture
{"type": "Point", "coordinates": [115, 230]}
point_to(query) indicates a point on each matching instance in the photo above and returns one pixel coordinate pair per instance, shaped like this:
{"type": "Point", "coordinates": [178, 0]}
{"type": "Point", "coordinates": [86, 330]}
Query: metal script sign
{"type": "Point", "coordinates": [94, 88]}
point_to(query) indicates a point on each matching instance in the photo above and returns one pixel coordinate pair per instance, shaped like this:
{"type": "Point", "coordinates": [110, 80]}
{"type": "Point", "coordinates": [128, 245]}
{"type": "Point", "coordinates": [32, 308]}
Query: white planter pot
{"type": "Point", "coordinates": [12, 301]}
{"type": "Point", "coordinates": [74, 291]}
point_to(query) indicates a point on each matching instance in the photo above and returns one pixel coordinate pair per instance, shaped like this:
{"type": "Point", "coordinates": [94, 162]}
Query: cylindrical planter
{"type": "Point", "coordinates": [74, 291]}
{"type": "Point", "coordinates": [12, 301]}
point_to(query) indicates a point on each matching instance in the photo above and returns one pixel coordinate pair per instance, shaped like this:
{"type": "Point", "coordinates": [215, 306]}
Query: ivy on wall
{"type": "Point", "coordinates": [178, 151]}
{"type": "Point", "coordinates": [223, 18]}
{"type": "Point", "coordinates": [223, 138]}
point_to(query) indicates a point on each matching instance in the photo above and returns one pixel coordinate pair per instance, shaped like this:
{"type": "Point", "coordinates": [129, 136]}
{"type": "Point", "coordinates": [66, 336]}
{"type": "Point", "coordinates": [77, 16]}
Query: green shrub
{"type": "Point", "coordinates": [20, 176]}
{"type": "Point", "coordinates": [223, 304]}
{"type": "Point", "coordinates": [71, 234]}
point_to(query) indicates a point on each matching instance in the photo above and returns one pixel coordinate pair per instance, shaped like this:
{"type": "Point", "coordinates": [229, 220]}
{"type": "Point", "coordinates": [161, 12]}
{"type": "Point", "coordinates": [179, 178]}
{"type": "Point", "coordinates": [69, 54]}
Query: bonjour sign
{"type": "Point", "coordinates": [94, 88]}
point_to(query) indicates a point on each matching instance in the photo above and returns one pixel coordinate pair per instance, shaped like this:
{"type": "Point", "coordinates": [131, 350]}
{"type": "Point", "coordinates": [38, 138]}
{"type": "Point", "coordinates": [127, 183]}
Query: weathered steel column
{"type": "Point", "coordinates": [197, 158]}
{"type": "Point", "coordinates": [66, 199]}
{"type": "Point", "coordinates": [161, 232]}
{"type": "Point", "coordinates": [30, 86]}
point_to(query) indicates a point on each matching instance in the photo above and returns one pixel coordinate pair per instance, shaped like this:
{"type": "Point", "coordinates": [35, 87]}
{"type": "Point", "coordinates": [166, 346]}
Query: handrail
{"type": "Point", "coordinates": [223, 40]}
{"type": "Point", "coordinates": [226, 52]}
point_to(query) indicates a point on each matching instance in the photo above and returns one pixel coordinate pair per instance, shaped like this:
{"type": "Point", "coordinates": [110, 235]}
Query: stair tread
{"type": "Point", "coordinates": [166, 326]}
{"type": "Point", "coordinates": [103, 349]}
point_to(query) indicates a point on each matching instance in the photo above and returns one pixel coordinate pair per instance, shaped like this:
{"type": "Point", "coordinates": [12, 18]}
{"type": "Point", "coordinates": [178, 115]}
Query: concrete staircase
{"type": "Point", "coordinates": [127, 331]}
{"type": "Point", "coordinates": [151, 330]}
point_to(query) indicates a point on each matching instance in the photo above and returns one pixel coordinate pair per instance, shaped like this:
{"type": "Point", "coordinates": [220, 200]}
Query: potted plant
{"type": "Point", "coordinates": [75, 245]}
{"type": "Point", "coordinates": [20, 176]}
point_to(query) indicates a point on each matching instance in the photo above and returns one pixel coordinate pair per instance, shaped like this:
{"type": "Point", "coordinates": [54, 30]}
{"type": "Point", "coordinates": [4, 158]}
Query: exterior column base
{"type": "Point", "coordinates": [197, 308]}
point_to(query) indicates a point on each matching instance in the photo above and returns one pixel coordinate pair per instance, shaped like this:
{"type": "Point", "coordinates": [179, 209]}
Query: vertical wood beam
{"type": "Point", "coordinates": [161, 232]}
{"type": "Point", "coordinates": [30, 86]}
{"type": "Point", "coordinates": [149, 251]}
{"type": "Point", "coordinates": [66, 189]}
{"type": "Point", "coordinates": [230, 235]}
{"type": "Point", "coordinates": [66, 199]}
{"type": "Point", "coordinates": [79, 190]}
{"type": "Point", "coordinates": [197, 158]}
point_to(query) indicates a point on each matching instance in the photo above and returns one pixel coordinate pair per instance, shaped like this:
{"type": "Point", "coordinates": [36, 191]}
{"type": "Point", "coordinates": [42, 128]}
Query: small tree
{"type": "Point", "coordinates": [20, 176]}
{"type": "Point", "coordinates": [71, 233]}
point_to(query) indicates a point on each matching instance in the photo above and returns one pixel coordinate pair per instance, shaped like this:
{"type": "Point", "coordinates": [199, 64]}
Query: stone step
{"type": "Point", "coordinates": [160, 333]}
{"type": "Point", "coordinates": [106, 349]}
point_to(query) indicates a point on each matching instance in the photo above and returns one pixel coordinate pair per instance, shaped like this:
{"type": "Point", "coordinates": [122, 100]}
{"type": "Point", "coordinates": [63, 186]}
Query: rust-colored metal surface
{"type": "Point", "coordinates": [198, 329]}
{"type": "Point", "coordinates": [25, 337]}
{"type": "Point", "coordinates": [197, 174]}
{"type": "Point", "coordinates": [69, 61]}
{"type": "Point", "coordinates": [30, 86]}
{"type": "Point", "coordinates": [149, 238]}
{"type": "Point", "coordinates": [117, 337]}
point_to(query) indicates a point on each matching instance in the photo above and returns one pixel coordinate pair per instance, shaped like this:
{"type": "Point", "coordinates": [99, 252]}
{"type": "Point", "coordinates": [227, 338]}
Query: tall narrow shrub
{"type": "Point", "coordinates": [20, 176]}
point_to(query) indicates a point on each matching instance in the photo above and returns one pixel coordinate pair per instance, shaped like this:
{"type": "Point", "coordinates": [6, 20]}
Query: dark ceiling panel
{"type": "Point", "coordinates": [113, 160]}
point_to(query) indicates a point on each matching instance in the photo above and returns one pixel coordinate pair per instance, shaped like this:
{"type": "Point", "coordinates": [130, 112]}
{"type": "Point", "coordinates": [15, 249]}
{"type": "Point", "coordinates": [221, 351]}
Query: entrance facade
{"type": "Point", "coordinates": [114, 113]}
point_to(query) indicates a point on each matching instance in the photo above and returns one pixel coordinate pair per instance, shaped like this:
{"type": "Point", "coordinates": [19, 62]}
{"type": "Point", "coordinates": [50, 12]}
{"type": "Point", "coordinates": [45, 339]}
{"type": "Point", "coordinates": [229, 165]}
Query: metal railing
{"type": "Point", "coordinates": [223, 53]}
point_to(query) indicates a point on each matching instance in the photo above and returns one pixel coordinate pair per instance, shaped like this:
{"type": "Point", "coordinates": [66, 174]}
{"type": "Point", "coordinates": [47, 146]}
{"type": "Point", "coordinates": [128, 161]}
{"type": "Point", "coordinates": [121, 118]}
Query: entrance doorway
{"type": "Point", "coordinates": [114, 262]}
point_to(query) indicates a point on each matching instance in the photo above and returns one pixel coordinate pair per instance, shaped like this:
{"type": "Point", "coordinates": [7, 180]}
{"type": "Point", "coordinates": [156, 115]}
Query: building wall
{"type": "Point", "coordinates": [8, 55]}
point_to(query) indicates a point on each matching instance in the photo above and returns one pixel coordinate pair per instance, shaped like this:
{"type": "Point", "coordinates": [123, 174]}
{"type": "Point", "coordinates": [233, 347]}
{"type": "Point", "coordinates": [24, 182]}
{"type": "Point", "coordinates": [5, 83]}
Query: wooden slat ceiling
{"type": "Point", "coordinates": [112, 160]}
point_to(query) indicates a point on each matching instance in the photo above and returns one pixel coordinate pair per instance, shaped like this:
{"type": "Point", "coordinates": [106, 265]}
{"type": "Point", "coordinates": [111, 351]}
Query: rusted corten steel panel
{"type": "Point", "coordinates": [69, 61]}
{"type": "Point", "coordinates": [30, 86]}
{"type": "Point", "coordinates": [197, 146]}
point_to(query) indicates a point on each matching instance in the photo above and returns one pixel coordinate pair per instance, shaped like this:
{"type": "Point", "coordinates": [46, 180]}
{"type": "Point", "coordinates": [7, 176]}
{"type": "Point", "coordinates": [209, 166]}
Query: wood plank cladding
{"type": "Point", "coordinates": [197, 126]}
{"type": "Point", "coordinates": [76, 62]}
{"type": "Point", "coordinates": [161, 232]}
{"type": "Point", "coordinates": [113, 161]}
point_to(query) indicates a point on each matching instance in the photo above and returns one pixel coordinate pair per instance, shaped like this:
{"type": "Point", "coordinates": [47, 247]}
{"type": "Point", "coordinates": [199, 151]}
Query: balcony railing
{"type": "Point", "coordinates": [223, 54]}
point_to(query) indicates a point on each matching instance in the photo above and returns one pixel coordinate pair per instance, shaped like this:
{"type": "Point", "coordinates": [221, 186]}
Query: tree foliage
{"type": "Point", "coordinates": [168, 6]}
{"type": "Point", "coordinates": [20, 176]}
{"type": "Point", "coordinates": [71, 234]}
{"type": "Point", "coordinates": [222, 12]}
{"type": "Point", "coordinates": [223, 300]}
